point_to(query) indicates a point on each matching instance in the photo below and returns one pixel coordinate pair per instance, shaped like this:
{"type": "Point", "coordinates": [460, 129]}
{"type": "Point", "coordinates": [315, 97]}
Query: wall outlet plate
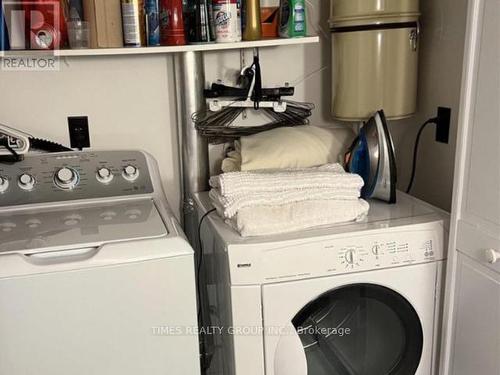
{"type": "Point", "coordinates": [79, 132]}
{"type": "Point", "coordinates": [443, 125]}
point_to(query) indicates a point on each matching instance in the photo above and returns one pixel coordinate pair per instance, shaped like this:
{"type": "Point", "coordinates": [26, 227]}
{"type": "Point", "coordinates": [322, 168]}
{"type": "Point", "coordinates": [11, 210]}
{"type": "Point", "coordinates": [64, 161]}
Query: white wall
{"type": "Point", "coordinates": [440, 72]}
{"type": "Point", "coordinates": [130, 101]}
{"type": "Point", "coordinates": [307, 68]}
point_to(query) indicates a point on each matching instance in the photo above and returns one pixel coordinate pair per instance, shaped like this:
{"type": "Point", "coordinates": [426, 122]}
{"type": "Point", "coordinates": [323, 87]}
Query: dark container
{"type": "Point", "coordinates": [199, 21]}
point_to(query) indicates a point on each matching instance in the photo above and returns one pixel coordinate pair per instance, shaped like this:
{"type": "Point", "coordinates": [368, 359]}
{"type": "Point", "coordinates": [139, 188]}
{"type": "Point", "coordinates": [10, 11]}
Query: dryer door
{"type": "Point", "coordinates": [360, 329]}
{"type": "Point", "coordinates": [359, 324]}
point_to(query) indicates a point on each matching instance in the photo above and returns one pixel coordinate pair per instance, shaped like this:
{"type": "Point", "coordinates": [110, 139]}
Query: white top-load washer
{"type": "Point", "coordinates": [360, 298]}
{"type": "Point", "coordinates": [96, 276]}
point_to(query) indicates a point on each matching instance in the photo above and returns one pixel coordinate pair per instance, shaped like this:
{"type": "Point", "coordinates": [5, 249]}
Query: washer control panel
{"type": "Point", "coordinates": [45, 178]}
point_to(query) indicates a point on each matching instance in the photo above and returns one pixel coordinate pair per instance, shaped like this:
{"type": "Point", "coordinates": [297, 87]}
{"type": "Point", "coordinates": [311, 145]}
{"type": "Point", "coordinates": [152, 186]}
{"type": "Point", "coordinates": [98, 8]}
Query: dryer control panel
{"type": "Point", "coordinates": [363, 251]}
{"type": "Point", "coordinates": [46, 178]}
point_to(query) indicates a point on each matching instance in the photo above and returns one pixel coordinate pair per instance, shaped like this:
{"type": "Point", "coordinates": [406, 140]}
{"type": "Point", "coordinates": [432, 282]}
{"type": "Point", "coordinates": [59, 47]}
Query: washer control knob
{"type": "Point", "coordinates": [104, 175]}
{"type": "Point", "coordinates": [130, 173]}
{"type": "Point", "coordinates": [350, 256]}
{"type": "Point", "coordinates": [66, 178]}
{"type": "Point", "coordinates": [492, 256]}
{"type": "Point", "coordinates": [26, 181]}
{"type": "Point", "coordinates": [376, 250]}
{"type": "Point", "coordinates": [4, 184]}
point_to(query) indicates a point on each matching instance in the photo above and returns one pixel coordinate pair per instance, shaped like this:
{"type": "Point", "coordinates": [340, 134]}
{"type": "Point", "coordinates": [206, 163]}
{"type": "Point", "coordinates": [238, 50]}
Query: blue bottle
{"type": "Point", "coordinates": [152, 22]}
{"type": "Point", "coordinates": [4, 35]}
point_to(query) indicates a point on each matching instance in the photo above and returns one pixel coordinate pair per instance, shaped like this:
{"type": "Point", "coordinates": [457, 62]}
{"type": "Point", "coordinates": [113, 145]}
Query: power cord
{"type": "Point", "coordinates": [47, 146]}
{"type": "Point", "coordinates": [200, 259]}
{"type": "Point", "coordinates": [205, 359]}
{"type": "Point", "coordinates": [415, 151]}
{"type": "Point", "coordinates": [15, 157]}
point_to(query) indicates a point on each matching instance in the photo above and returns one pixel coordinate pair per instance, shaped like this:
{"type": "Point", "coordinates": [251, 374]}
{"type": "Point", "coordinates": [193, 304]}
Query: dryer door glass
{"type": "Point", "coordinates": [360, 329]}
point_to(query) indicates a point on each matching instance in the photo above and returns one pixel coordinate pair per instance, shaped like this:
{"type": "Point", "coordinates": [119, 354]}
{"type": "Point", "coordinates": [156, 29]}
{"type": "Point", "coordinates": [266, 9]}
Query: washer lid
{"type": "Point", "coordinates": [31, 231]}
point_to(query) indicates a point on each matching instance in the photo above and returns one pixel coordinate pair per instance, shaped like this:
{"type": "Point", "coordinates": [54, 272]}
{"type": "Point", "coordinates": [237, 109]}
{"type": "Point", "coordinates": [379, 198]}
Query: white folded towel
{"type": "Point", "coordinates": [228, 206]}
{"type": "Point", "coordinates": [267, 220]}
{"type": "Point", "coordinates": [325, 177]}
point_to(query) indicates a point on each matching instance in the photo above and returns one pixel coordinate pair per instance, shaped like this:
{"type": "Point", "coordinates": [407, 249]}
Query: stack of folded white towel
{"type": "Point", "coordinates": [279, 201]}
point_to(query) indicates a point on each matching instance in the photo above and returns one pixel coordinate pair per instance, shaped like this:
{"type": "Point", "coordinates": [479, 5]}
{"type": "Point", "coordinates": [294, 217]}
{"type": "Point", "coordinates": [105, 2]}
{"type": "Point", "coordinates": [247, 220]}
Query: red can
{"type": "Point", "coordinates": [171, 23]}
{"type": "Point", "coordinates": [45, 24]}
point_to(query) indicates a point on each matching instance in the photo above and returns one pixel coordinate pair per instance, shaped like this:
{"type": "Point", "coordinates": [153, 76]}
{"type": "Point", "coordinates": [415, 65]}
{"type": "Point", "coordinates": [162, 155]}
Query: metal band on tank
{"type": "Point", "coordinates": [382, 26]}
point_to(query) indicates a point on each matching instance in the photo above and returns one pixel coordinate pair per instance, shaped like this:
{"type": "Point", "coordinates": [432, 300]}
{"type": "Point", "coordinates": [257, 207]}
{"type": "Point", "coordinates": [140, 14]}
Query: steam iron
{"type": "Point", "coordinates": [372, 157]}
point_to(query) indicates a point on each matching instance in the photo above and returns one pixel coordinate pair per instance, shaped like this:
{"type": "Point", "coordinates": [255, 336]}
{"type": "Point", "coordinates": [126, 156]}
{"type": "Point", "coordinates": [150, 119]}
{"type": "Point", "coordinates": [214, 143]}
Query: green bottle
{"type": "Point", "coordinates": [293, 22]}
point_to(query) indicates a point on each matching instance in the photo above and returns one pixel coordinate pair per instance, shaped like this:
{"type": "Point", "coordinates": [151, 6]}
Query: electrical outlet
{"type": "Point", "coordinates": [79, 132]}
{"type": "Point", "coordinates": [443, 125]}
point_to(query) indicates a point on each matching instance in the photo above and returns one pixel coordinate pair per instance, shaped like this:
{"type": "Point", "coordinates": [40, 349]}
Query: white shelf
{"type": "Point", "coordinates": [166, 50]}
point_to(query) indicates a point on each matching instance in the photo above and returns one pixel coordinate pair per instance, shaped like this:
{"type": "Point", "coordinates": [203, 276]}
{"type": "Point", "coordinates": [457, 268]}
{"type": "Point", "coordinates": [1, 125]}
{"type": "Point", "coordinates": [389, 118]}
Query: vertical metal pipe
{"type": "Point", "coordinates": [190, 82]}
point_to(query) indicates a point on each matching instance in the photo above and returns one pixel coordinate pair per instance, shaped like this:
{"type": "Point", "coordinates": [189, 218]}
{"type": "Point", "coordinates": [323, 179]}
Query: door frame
{"type": "Point", "coordinates": [466, 113]}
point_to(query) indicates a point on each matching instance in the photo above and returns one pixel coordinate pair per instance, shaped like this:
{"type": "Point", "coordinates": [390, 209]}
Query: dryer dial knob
{"type": "Point", "coordinates": [350, 256]}
{"type": "Point", "coordinates": [66, 178]}
{"type": "Point", "coordinates": [26, 182]}
{"type": "Point", "coordinates": [4, 184]}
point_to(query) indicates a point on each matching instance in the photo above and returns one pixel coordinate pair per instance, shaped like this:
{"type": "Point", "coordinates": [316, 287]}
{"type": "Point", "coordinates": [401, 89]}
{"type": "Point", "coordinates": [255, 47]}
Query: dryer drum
{"type": "Point", "coordinates": [361, 329]}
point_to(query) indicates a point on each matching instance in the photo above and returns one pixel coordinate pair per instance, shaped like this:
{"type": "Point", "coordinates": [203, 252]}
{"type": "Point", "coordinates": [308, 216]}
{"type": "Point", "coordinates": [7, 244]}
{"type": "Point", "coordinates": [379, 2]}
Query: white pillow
{"type": "Point", "coordinates": [290, 147]}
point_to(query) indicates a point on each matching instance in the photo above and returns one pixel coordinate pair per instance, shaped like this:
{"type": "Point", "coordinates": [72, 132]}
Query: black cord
{"type": "Point", "coordinates": [35, 143]}
{"type": "Point", "coordinates": [15, 156]}
{"type": "Point", "coordinates": [415, 153]}
{"type": "Point", "coordinates": [205, 363]}
{"type": "Point", "coordinates": [48, 146]}
{"type": "Point", "coordinates": [200, 263]}
{"type": "Point", "coordinates": [257, 92]}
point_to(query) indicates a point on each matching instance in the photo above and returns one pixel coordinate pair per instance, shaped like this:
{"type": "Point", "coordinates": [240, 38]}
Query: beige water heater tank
{"type": "Point", "coordinates": [374, 57]}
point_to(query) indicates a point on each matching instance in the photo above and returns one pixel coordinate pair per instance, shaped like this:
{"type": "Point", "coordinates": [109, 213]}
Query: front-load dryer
{"type": "Point", "coordinates": [361, 298]}
{"type": "Point", "coordinates": [96, 276]}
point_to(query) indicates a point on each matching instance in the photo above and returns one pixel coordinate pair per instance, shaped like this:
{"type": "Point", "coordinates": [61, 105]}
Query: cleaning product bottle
{"type": "Point", "coordinates": [253, 27]}
{"type": "Point", "coordinates": [227, 22]}
{"type": "Point", "coordinates": [293, 18]}
{"type": "Point", "coordinates": [172, 32]}
{"type": "Point", "coordinates": [134, 27]}
{"type": "Point", "coordinates": [4, 36]}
